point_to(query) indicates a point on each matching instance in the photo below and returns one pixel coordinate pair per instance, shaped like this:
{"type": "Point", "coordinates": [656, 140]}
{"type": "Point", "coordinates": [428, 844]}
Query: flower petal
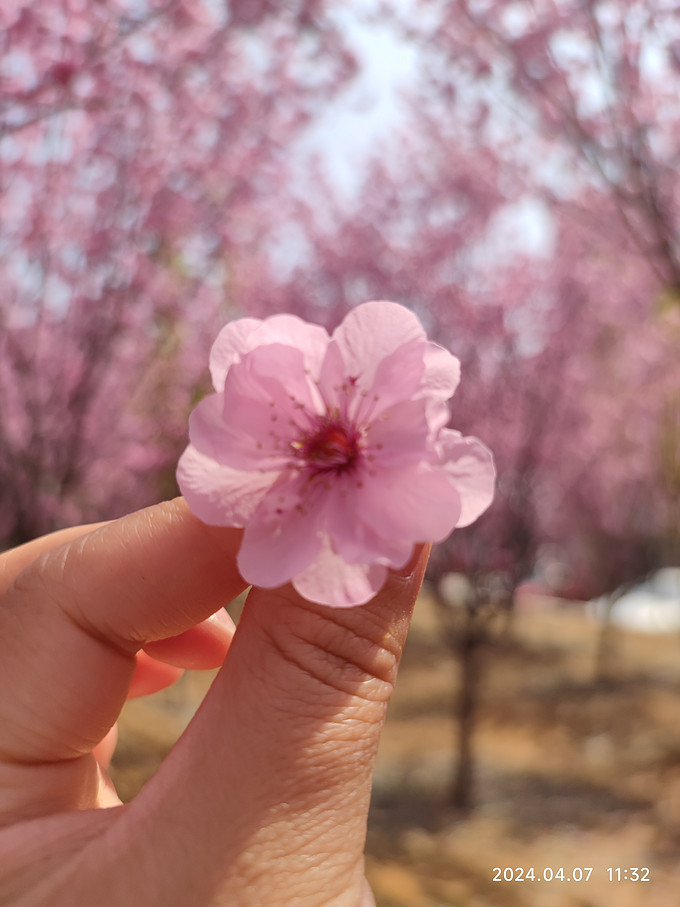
{"type": "Point", "coordinates": [372, 331]}
{"type": "Point", "coordinates": [244, 335]}
{"type": "Point", "coordinates": [329, 580]}
{"type": "Point", "coordinates": [437, 415]}
{"type": "Point", "coordinates": [335, 388]}
{"type": "Point", "coordinates": [217, 494]}
{"type": "Point", "coordinates": [274, 374]}
{"type": "Point", "coordinates": [243, 438]}
{"type": "Point", "coordinates": [206, 427]}
{"type": "Point", "coordinates": [398, 377]}
{"type": "Point", "coordinates": [282, 538]}
{"type": "Point", "coordinates": [351, 537]}
{"type": "Point", "coordinates": [310, 339]}
{"type": "Point", "coordinates": [267, 405]}
{"type": "Point", "coordinates": [442, 372]}
{"type": "Point", "coordinates": [417, 503]}
{"type": "Point", "coordinates": [399, 437]}
{"type": "Point", "coordinates": [471, 467]}
{"type": "Point", "coordinates": [234, 340]}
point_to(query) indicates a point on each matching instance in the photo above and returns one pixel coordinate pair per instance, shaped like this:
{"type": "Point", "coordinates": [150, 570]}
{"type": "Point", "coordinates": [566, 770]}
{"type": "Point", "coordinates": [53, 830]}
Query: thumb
{"type": "Point", "coordinates": [269, 788]}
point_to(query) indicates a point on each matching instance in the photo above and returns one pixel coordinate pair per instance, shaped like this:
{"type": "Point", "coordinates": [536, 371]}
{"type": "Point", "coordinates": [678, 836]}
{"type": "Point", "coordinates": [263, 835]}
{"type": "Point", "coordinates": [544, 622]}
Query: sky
{"type": "Point", "coordinates": [360, 121]}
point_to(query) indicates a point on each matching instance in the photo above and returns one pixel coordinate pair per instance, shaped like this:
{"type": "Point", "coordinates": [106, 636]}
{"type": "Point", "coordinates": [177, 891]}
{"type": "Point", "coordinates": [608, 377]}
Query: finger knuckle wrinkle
{"type": "Point", "coordinates": [341, 657]}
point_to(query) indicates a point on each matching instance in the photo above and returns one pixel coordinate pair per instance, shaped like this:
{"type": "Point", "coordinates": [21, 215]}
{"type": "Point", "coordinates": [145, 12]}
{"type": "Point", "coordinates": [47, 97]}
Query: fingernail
{"type": "Point", "coordinates": [409, 568]}
{"type": "Point", "coordinates": [223, 620]}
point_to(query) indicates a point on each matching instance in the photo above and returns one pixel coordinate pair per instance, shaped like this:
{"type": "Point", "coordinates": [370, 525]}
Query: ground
{"type": "Point", "coordinates": [570, 772]}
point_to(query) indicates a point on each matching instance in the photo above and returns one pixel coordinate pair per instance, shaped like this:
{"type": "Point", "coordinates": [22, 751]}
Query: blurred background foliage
{"type": "Point", "coordinates": [509, 170]}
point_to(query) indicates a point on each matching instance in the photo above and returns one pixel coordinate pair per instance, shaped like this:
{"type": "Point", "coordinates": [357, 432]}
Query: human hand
{"type": "Point", "coordinates": [263, 801]}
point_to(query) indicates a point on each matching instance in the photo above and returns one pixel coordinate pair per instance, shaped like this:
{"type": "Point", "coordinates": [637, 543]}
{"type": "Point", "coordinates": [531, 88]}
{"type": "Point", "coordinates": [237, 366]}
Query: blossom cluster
{"type": "Point", "coordinates": [331, 451]}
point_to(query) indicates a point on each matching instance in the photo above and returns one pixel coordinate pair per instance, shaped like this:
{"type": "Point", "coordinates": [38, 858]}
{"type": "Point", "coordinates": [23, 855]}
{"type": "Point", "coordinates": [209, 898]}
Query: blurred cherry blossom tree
{"type": "Point", "coordinates": [142, 153]}
{"type": "Point", "coordinates": [526, 213]}
{"type": "Point", "coordinates": [529, 215]}
{"type": "Point", "coordinates": [582, 100]}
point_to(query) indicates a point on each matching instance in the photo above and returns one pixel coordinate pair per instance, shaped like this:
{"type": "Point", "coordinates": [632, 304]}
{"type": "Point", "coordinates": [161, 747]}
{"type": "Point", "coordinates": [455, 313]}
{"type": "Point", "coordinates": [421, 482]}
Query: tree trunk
{"type": "Point", "coordinates": [469, 654]}
{"type": "Point", "coordinates": [605, 654]}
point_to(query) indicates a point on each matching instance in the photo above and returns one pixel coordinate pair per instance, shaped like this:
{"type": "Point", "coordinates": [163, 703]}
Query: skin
{"type": "Point", "coordinates": [265, 797]}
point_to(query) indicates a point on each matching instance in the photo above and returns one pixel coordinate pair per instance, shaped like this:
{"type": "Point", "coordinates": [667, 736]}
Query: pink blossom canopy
{"type": "Point", "coordinates": [331, 452]}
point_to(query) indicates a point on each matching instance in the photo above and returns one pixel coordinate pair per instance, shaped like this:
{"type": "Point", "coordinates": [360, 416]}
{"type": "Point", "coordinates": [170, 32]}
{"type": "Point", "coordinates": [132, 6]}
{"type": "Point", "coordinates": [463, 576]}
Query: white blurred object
{"type": "Point", "coordinates": [651, 607]}
{"type": "Point", "coordinates": [456, 589]}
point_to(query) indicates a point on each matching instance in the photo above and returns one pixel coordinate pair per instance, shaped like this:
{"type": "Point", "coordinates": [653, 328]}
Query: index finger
{"type": "Point", "coordinates": [71, 623]}
{"type": "Point", "coordinates": [15, 561]}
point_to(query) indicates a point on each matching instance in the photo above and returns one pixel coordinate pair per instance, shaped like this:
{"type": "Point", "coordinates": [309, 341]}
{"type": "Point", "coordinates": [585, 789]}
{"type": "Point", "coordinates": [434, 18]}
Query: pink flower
{"type": "Point", "coordinates": [331, 452]}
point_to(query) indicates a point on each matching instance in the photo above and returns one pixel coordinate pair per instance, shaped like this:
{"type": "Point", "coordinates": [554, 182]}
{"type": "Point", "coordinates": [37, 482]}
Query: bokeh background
{"type": "Point", "coordinates": [509, 170]}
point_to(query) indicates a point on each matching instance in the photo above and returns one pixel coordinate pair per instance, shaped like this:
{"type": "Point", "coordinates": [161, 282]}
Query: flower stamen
{"type": "Point", "coordinates": [333, 447]}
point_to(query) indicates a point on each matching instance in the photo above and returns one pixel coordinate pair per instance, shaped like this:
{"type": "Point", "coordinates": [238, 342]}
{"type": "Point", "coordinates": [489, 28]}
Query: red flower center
{"type": "Point", "coordinates": [333, 448]}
